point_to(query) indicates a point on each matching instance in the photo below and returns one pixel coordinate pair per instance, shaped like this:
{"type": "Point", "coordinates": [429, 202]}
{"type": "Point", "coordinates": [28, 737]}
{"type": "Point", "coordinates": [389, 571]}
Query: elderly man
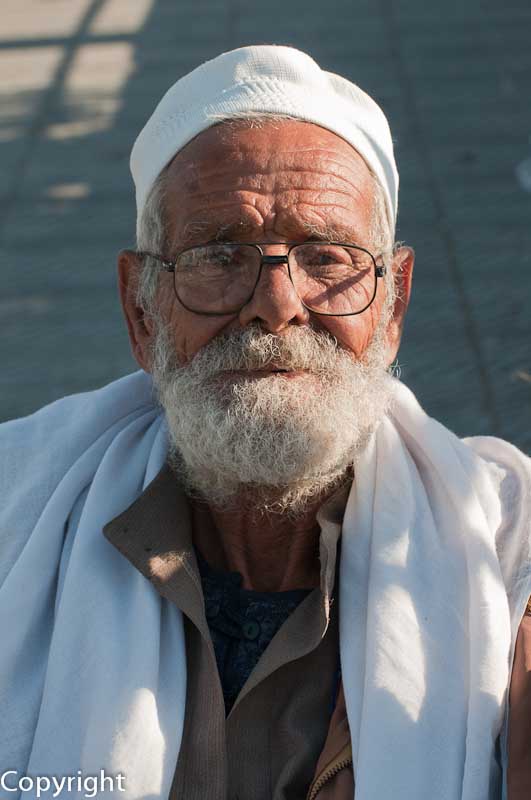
{"type": "Point", "coordinates": [284, 580]}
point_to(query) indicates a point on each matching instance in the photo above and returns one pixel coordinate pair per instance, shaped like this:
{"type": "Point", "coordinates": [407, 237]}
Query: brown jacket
{"type": "Point", "coordinates": [334, 779]}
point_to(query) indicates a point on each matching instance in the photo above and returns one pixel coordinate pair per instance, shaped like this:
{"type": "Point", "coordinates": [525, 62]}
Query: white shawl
{"type": "Point", "coordinates": [435, 575]}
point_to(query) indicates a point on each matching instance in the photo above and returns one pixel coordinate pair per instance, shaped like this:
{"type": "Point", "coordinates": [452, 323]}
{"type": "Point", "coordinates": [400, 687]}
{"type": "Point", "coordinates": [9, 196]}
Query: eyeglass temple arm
{"type": "Point", "coordinates": [168, 266]}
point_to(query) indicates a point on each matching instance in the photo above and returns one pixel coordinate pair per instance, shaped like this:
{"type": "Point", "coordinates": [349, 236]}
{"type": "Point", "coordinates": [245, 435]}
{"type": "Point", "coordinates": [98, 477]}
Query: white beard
{"type": "Point", "coordinates": [272, 443]}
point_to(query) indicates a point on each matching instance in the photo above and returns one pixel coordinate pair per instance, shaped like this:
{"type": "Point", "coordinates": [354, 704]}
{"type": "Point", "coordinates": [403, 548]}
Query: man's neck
{"type": "Point", "coordinates": [272, 552]}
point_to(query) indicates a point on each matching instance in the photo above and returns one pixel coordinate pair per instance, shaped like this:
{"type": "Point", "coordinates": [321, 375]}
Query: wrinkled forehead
{"type": "Point", "coordinates": [262, 142]}
{"type": "Point", "coordinates": [268, 168]}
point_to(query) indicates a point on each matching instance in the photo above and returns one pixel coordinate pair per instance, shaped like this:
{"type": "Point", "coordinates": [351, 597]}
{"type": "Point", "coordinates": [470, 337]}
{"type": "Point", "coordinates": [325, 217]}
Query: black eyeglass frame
{"type": "Point", "coordinates": [169, 266]}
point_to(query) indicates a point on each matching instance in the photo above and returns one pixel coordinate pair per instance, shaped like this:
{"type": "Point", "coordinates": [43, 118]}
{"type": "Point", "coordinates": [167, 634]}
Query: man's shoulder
{"type": "Point", "coordinates": [38, 452]}
{"type": "Point", "coordinates": [509, 467]}
{"type": "Point", "coordinates": [56, 432]}
{"type": "Point", "coordinates": [509, 472]}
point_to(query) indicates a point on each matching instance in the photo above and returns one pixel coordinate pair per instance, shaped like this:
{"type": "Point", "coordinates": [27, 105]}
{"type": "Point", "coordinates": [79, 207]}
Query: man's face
{"type": "Point", "coordinates": [275, 184]}
{"type": "Point", "coordinates": [234, 420]}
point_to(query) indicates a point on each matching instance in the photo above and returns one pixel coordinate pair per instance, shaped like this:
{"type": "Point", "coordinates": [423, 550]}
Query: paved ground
{"type": "Point", "coordinates": [79, 78]}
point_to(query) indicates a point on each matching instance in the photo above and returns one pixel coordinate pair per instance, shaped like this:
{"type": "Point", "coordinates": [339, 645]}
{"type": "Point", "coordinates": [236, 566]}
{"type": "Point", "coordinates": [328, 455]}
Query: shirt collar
{"type": "Point", "coordinates": [155, 535]}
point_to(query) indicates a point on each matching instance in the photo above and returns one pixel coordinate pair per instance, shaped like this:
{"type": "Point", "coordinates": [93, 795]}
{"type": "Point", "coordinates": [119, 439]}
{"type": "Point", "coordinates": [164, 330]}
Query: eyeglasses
{"type": "Point", "coordinates": [334, 279]}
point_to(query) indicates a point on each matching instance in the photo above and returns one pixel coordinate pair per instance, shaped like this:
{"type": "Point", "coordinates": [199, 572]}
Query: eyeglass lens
{"type": "Point", "coordinates": [329, 278]}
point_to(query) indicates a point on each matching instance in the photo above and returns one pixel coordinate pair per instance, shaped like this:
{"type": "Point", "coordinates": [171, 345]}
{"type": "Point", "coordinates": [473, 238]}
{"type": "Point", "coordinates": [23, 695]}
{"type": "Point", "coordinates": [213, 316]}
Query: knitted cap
{"type": "Point", "coordinates": [263, 79]}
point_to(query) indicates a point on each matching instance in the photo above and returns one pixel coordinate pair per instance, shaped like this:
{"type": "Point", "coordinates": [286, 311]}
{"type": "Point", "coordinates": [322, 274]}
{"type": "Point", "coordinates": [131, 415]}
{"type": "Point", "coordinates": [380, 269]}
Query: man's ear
{"type": "Point", "coordinates": [139, 327]}
{"type": "Point", "coordinates": [402, 266]}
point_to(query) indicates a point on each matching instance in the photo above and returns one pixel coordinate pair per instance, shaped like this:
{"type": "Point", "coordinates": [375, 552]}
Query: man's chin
{"type": "Point", "coordinates": [290, 499]}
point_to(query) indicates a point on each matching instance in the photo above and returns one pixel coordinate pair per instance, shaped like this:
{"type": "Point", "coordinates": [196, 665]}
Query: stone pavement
{"type": "Point", "coordinates": [78, 78]}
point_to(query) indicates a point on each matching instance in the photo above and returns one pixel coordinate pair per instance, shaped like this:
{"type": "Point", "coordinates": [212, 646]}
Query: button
{"type": "Point", "coordinates": [251, 629]}
{"type": "Point", "coordinates": [212, 610]}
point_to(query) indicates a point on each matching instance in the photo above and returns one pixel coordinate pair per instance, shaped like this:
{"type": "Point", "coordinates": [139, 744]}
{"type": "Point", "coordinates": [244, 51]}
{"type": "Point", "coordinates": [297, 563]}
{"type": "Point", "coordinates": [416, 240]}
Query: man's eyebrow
{"type": "Point", "coordinates": [193, 231]}
{"type": "Point", "coordinates": [201, 231]}
{"type": "Point", "coordinates": [238, 229]}
{"type": "Point", "coordinates": [332, 233]}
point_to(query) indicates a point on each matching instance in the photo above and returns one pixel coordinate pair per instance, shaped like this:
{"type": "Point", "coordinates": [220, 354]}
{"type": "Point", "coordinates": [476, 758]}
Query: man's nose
{"type": "Point", "coordinates": [275, 303]}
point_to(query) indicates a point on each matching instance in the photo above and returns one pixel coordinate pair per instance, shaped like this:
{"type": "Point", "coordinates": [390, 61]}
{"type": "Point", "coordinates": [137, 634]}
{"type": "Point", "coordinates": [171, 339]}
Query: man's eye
{"type": "Point", "coordinates": [221, 260]}
{"type": "Point", "coordinates": [322, 260]}
{"type": "Point", "coordinates": [317, 258]}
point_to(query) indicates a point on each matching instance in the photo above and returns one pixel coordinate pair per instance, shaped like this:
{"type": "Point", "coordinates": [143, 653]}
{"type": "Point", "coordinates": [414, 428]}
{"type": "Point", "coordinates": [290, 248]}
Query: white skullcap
{"type": "Point", "coordinates": [263, 79]}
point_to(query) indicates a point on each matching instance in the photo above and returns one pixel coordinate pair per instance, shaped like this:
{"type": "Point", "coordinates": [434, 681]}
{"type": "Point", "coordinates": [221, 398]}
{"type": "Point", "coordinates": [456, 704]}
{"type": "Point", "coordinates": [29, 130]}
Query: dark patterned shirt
{"type": "Point", "coordinates": [242, 622]}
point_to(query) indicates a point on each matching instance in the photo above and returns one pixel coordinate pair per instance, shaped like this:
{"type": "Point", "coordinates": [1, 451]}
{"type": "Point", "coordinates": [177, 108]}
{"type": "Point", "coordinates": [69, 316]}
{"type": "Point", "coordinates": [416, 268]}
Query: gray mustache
{"type": "Point", "coordinates": [253, 350]}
